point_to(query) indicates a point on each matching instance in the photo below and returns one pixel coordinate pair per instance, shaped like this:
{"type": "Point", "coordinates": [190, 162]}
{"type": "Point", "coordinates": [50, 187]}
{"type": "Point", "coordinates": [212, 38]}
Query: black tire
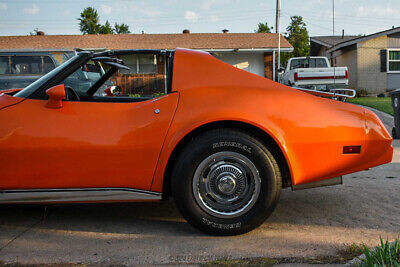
{"type": "Point", "coordinates": [226, 142]}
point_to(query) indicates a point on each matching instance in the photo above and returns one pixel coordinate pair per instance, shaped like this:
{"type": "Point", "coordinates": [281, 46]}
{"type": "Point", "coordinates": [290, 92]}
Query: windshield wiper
{"type": "Point", "coordinates": [112, 61]}
{"type": "Point", "coordinates": [108, 59]}
{"type": "Point", "coordinates": [116, 65]}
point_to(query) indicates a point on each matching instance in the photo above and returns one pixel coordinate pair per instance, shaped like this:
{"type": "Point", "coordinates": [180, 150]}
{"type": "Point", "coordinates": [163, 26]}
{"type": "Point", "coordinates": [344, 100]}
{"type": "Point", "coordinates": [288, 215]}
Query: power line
{"type": "Point", "coordinates": [352, 17]}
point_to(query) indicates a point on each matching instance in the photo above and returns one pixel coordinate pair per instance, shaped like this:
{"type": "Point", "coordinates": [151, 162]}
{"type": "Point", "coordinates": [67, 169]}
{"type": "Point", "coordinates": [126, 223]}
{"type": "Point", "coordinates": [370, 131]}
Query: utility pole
{"type": "Point", "coordinates": [333, 52]}
{"type": "Point", "coordinates": [277, 29]}
{"type": "Point", "coordinates": [333, 31]}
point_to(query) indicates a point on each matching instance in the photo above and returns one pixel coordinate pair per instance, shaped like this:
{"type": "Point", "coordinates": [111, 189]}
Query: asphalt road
{"type": "Point", "coordinates": [306, 223]}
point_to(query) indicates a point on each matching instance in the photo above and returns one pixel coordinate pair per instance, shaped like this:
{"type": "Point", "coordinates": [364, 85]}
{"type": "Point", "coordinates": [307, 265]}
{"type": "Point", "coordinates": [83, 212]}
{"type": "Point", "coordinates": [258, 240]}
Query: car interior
{"type": "Point", "coordinates": [110, 79]}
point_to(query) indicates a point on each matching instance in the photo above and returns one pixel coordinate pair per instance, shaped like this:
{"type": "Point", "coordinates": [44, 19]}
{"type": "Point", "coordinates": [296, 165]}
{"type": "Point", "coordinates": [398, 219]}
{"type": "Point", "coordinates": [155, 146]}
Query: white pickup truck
{"type": "Point", "coordinates": [310, 72]}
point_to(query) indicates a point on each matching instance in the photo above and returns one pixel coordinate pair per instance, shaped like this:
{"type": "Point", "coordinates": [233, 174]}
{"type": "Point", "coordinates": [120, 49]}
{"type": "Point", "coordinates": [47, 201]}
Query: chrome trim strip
{"type": "Point", "coordinates": [75, 195]}
{"type": "Point", "coordinates": [346, 93]}
{"type": "Point", "coordinates": [328, 182]}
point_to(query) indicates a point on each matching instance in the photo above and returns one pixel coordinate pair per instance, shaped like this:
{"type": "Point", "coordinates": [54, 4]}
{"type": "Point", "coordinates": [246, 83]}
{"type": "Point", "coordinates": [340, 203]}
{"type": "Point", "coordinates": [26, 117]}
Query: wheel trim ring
{"type": "Point", "coordinates": [247, 163]}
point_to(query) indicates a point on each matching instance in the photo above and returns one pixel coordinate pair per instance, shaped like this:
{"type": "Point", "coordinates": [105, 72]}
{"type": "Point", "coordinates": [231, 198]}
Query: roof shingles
{"type": "Point", "coordinates": [331, 40]}
{"type": "Point", "coordinates": [146, 41]}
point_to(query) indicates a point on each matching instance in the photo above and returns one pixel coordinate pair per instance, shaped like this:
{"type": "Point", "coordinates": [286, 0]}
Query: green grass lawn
{"type": "Point", "coordinates": [380, 103]}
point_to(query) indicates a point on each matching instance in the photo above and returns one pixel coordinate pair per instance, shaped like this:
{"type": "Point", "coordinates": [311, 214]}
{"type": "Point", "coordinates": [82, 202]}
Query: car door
{"type": "Point", "coordinates": [83, 144]}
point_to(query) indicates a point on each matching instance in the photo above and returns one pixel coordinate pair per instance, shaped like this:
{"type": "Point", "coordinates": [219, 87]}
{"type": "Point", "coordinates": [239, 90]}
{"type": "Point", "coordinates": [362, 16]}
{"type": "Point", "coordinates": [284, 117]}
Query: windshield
{"type": "Point", "coordinates": [85, 77]}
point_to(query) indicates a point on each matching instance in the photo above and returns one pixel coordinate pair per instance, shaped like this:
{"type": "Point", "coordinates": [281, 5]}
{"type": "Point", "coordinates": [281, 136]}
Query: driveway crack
{"type": "Point", "coordinates": [19, 235]}
{"type": "Point", "coordinates": [26, 230]}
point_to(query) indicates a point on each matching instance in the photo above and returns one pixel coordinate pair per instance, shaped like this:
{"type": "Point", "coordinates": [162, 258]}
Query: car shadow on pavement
{"type": "Point", "coordinates": [118, 218]}
{"type": "Point", "coordinates": [366, 200]}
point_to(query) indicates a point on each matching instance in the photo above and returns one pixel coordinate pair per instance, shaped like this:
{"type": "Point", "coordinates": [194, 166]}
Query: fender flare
{"type": "Point", "coordinates": [263, 135]}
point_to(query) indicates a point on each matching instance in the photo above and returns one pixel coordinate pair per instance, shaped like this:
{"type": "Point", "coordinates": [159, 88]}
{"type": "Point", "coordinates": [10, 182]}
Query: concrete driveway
{"type": "Point", "coordinates": [312, 222]}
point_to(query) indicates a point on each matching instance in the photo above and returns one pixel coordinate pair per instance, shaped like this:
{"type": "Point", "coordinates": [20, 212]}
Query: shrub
{"type": "Point", "coordinates": [361, 92]}
{"type": "Point", "coordinates": [385, 254]}
{"type": "Point", "coordinates": [381, 95]}
{"type": "Point", "coordinates": [134, 95]}
{"type": "Point", "coordinates": [158, 94]}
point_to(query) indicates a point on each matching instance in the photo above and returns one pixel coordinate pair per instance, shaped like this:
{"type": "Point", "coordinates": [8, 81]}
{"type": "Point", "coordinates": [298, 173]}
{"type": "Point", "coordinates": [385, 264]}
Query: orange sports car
{"type": "Point", "coordinates": [221, 141]}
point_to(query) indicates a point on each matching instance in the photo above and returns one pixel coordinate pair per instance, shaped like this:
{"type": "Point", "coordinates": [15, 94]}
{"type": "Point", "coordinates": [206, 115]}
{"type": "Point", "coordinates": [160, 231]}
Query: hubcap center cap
{"type": "Point", "coordinates": [227, 184]}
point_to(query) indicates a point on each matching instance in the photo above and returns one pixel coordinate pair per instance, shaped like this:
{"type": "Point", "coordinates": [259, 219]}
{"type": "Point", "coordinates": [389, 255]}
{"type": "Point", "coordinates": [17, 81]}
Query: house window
{"type": "Point", "coordinates": [393, 63]}
{"type": "Point", "coordinates": [140, 64]}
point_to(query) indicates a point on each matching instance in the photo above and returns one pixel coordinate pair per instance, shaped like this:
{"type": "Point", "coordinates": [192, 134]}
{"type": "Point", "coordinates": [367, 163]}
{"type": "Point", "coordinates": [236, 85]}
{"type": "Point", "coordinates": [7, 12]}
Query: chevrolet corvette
{"type": "Point", "coordinates": [220, 141]}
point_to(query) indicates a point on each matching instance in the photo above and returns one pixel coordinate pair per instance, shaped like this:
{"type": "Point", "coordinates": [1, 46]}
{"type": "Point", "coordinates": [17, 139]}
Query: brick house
{"type": "Point", "coordinates": [373, 60]}
{"type": "Point", "coordinates": [254, 52]}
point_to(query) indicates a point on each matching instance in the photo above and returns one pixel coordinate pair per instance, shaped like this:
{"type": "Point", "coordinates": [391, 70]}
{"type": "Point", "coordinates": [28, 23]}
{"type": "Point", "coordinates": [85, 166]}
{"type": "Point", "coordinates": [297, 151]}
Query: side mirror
{"type": "Point", "coordinates": [56, 95]}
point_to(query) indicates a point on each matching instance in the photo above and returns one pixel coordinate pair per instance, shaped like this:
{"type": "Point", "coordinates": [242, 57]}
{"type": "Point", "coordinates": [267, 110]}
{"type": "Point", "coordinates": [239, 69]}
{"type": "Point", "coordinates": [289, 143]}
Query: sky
{"type": "Point", "coordinates": [20, 17]}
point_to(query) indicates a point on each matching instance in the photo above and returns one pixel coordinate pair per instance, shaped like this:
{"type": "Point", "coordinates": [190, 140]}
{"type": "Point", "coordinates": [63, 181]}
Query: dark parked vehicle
{"type": "Point", "coordinates": [18, 69]}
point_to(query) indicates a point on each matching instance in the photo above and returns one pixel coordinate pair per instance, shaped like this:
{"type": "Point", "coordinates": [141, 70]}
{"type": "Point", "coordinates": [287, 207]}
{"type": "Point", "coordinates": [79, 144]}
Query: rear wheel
{"type": "Point", "coordinates": [226, 182]}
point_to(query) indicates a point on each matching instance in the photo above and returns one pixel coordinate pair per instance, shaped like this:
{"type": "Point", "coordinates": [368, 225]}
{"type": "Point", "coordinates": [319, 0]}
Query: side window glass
{"type": "Point", "coordinates": [67, 56]}
{"type": "Point", "coordinates": [321, 63]}
{"type": "Point", "coordinates": [26, 65]}
{"type": "Point", "coordinates": [299, 63]}
{"type": "Point", "coordinates": [313, 63]}
{"type": "Point", "coordinates": [48, 64]}
{"type": "Point", "coordinates": [4, 65]}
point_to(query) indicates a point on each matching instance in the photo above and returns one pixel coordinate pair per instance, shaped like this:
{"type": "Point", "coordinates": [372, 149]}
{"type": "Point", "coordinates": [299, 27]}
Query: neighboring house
{"type": "Point", "coordinates": [373, 60]}
{"type": "Point", "coordinates": [253, 52]}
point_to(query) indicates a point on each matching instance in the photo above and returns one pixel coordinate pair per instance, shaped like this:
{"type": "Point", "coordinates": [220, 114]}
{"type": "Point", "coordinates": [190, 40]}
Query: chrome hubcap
{"type": "Point", "coordinates": [226, 184]}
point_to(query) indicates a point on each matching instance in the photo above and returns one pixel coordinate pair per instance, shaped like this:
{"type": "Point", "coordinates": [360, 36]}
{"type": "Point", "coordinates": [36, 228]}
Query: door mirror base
{"type": "Point", "coordinates": [56, 95]}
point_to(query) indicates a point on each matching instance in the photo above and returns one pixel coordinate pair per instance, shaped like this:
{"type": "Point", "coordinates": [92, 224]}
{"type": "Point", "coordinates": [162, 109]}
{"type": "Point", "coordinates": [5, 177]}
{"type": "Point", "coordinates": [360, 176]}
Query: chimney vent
{"type": "Point", "coordinates": [186, 31]}
{"type": "Point", "coordinates": [39, 33]}
{"type": "Point", "coordinates": [225, 30]}
{"type": "Point", "coordinates": [343, 34]}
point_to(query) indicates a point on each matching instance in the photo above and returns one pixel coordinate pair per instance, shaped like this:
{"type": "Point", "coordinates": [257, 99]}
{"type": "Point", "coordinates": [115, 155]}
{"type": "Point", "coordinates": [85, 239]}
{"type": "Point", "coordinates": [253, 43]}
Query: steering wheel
{"type": "Point", "coordinates": [70, 94]}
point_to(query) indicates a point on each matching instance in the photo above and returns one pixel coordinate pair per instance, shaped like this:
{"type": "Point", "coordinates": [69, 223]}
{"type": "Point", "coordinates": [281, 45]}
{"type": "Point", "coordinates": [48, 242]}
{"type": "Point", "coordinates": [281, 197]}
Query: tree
{"type": "Point", "coordinates": [89, 21]}
{"type": "Point", "coordinates": [263, 27]}
{"type": "Point", "coordinates": [298, 37]}
{"type": "Point", "coordinates": [106, 28]}
{"type": "Point", "coordinates": [121, 28]}
{"type": "Point", "coordinates": [89, 24]}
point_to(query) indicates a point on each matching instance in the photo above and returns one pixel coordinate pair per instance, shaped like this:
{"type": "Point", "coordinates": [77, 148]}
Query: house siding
{"type": "Point", "coordinates": [370, 77]}
{"type": "Point", "coordinates": [394, 40]}
{"type": "Point", "coordinates": [348, 58]}
{"type": "Point", "coordinates": [322, 52]}
{"type": "Point", "coordinates": [251, 62]}
{"type": "Point", "coordinates": [393, 81]}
